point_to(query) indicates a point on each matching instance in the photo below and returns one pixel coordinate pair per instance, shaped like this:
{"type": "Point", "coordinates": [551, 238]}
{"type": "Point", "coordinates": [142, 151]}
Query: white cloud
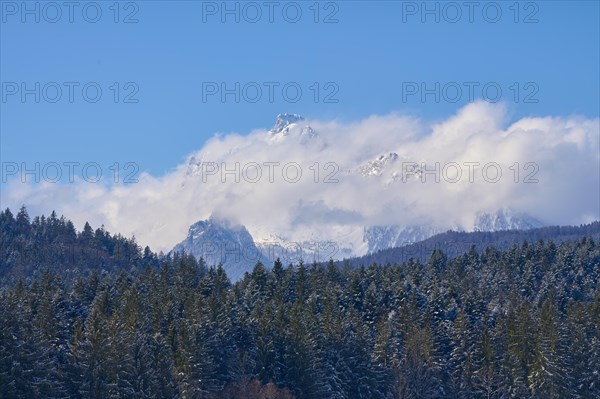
{"type": "Point", "coordinates": [561, 153]}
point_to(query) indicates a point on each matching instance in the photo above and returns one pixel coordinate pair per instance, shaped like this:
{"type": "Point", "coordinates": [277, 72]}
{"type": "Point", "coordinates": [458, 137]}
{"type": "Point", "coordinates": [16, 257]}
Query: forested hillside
{"type": "Point", "coordinates": [28, 247]}
{"type": "Point", "coordinates": [522, 322]}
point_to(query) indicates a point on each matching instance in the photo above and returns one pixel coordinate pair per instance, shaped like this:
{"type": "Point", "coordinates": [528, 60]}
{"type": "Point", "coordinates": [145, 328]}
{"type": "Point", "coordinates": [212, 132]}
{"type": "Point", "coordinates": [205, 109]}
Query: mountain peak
{"type": "Point", "coordinates": [284, 120]}
{"type": "Point", "coordinates": [220, 241]}
{"type": "Point", "coordinates": [376, 166]}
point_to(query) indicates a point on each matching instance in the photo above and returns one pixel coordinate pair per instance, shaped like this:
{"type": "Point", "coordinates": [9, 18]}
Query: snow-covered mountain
{"type": "Point", "coordinates": [505, 219]}
{"type": "Point", "coordinates": [308, 251]}
{"type": "Point", "coordinates": [220, 241]}
{"type": "Point", "coordinates": [376, 166]}
{"type": "Point", "coordinates": [286, 127]}
{"type": "Point", "coordinates": [284, 122]}
{"type": "Point", "coordinates": [328, 234]}
{"type": "Point", "coordinates": [291, 125]}
{"type": "Point", "coordinates": [390, 236]}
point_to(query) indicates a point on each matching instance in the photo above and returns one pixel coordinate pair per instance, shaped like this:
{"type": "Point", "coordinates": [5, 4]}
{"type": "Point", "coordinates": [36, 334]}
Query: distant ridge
{"type": "Point", "coordinates": [454, 243]}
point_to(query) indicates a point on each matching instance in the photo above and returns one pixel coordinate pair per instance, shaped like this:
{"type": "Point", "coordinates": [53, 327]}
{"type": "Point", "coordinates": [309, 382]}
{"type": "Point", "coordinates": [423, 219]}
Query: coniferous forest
{"type": "Point", "coordinates": [92, 315]}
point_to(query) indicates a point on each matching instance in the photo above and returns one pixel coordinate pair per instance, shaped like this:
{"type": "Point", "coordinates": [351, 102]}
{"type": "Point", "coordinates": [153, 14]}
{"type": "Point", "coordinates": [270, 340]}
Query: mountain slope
{"type": "Point", "coordinates": [454, 243]}
{"type": "Point", "coordinates": [390, 236]}
{"type": "Point", "coordinates": [218, 241]}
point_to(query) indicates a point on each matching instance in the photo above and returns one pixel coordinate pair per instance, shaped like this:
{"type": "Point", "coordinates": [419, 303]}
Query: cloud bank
{"type": "Point", "coordinates": [330, 180]}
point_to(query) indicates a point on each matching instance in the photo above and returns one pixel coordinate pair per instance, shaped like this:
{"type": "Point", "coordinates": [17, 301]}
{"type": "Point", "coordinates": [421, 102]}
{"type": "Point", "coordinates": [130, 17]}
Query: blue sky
{"type": "Point", "coordinates": [364, 61]}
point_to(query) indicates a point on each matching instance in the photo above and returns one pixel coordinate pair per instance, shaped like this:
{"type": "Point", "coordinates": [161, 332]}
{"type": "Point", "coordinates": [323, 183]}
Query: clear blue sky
{"type": "Point", "coordinates": [368, 54]}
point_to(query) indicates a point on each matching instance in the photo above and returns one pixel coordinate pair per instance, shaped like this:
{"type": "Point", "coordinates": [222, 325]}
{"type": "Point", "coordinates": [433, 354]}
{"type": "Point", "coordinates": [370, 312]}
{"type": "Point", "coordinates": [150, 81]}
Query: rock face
{"type": "Point", "coordinates": [283, 122]}
{"type": "Point", "coordinates": [219, 241]}
{"type": "Point", "coordinates": [290, 126]}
